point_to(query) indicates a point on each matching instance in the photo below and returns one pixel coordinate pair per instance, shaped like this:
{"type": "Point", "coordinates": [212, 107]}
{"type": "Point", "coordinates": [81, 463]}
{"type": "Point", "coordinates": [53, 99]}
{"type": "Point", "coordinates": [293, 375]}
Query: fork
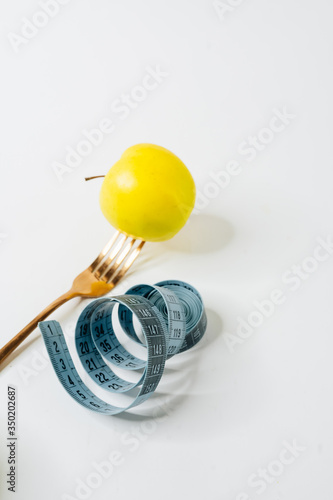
{"type": "Point", "coordinates": [97, 280]}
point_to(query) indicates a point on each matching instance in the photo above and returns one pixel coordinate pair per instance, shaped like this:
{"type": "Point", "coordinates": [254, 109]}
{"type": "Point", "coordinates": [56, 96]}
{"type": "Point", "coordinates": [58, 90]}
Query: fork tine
{"type": "Point", "coordinates": [113, 266]}
{"type": "Point", "coordinates": [113, 252]}
{"type": "Point", "coordinates": [104, 252]}
{"type": "Point", "coordinates": [126, 264]}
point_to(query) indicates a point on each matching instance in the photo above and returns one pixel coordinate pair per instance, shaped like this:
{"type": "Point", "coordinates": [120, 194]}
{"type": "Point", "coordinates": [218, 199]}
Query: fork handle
{"type": "Point", "coordinates": [23, 334]}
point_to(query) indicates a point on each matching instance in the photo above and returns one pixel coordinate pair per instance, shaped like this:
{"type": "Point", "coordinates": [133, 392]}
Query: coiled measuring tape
{"type": "Point", "coordinates": [172, 317]}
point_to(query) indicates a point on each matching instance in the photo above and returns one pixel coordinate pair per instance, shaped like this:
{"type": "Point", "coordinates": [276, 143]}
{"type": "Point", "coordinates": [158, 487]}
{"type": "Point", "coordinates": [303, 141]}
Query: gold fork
{"type": "Point", "coordinates": [97, 280]}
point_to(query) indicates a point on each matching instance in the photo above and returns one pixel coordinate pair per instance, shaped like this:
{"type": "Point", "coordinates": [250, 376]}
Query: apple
{"type": "Point", "coordinates": [148, 194]}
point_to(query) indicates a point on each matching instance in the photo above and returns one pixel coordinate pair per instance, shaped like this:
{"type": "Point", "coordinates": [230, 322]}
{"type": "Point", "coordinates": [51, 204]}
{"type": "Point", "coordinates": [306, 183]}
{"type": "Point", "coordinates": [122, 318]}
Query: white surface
{"type": "Point", "coordinates": [230, 413]}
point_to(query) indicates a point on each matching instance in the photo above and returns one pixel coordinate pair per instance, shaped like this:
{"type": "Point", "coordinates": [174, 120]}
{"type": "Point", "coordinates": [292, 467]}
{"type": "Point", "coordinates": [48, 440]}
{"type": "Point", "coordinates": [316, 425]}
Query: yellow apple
{"type": "Point", "coordinates": [148, 194]}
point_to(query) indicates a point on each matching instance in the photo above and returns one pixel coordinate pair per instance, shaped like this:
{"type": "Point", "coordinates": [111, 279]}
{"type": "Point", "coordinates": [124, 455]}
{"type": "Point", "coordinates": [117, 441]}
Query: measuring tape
{"type": "Point", "coordinates": [172, 317]}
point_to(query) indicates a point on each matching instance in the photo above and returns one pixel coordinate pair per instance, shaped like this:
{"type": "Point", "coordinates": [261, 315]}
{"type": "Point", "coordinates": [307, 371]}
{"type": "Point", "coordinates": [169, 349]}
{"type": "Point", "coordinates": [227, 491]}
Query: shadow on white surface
{"type": "Point", "coordinates": [179, 374]}
{"type": "Point", "coordinates": [214, 329]}
{"type": "Point", "coordinates": [203, 233]}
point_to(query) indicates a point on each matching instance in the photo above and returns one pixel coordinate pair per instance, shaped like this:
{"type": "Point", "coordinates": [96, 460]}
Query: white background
{"type": "Point", "coordinates": [231, 407]}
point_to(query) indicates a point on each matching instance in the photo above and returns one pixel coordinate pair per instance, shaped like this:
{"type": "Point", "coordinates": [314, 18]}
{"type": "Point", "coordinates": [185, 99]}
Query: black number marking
{"type": "Point", "coordinates": [90, 362]}
{"type": "Point", "coordinates": [83, 329]}
{"type": "Point", "coordinates": [99, 315]}
{"type": "Point", "coordinates": [88, 315]}
{"type": "Point", "coordinates": [176, 314]}
{"type": "Point", "coordinates": [105, 346]}
{"type": "Point", "coordinates": [94, 404]}
{"type": "Point", "coordinates": [115, 386]}
{"type": "Point", "coordinates": [117, 358]}
{"type": "Point", "coordinates": [99, 331]}
{"type": "Point", "coordinates": [81, 394]}
{"type": "Point", "coordinates": [84, 347]}
{"type": "Point", "coordinates": [102, 378]}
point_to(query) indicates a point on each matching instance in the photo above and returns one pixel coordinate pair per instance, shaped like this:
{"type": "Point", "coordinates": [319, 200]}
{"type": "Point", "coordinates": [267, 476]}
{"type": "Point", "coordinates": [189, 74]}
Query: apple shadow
{"type": "Point", "coordinates": [203, 233]}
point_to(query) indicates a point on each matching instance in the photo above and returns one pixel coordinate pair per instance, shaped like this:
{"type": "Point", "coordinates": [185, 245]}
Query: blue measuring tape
{"type": "Point", "coordinates": [172, 318]}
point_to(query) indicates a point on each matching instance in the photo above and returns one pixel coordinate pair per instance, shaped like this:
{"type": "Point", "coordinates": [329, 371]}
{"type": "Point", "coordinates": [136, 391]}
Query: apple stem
{"type": "Point", "coordinates": [95, 177]}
